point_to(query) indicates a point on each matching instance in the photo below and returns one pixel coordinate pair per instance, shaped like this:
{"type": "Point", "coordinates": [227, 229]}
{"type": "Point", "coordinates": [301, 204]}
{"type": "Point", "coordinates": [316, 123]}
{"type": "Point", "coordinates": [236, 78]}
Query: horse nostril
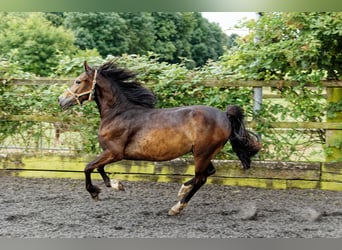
{"type": "Point", "coordinates": [60, 100]}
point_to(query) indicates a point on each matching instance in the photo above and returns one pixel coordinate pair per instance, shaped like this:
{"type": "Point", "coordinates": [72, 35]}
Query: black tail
{"type": "Point", "coordinates": [244, 143]}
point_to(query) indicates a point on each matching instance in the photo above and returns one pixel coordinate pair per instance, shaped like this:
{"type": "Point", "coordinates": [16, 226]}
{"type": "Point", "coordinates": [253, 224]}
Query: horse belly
{"type": "Point", "coordinates": [159, 145]}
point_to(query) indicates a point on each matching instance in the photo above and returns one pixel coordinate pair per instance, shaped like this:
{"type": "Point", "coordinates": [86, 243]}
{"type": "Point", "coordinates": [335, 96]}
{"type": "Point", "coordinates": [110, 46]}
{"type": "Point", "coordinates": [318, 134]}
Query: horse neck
{"type": "Point", "coordinates": [107, 100]}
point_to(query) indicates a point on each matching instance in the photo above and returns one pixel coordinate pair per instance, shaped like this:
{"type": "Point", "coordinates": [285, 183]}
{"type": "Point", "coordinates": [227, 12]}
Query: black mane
{"type": "Point", "coordinates": [128, 86]}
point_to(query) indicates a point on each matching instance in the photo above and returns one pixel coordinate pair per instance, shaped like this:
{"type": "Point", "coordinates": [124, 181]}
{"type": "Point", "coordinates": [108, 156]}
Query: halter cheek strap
{"type": "Point", "coordinates": [90, 92]}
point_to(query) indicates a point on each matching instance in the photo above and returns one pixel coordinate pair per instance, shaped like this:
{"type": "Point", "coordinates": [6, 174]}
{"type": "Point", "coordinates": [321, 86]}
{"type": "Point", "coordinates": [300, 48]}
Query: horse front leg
{"type": "Point", "coordinates": [104, 176]}
{"type": "Point", "coordinates": [99, 163]}
{"type": "Point", "coordinates": [115, 184]}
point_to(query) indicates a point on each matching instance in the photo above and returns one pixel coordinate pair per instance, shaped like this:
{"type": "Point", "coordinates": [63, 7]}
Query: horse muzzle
{"type": "Point", "coordinates": [66, 102]}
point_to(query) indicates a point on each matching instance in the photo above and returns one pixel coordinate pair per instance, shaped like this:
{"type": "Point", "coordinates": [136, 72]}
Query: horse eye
{"type": "Point", "coordinates": [78, 82]}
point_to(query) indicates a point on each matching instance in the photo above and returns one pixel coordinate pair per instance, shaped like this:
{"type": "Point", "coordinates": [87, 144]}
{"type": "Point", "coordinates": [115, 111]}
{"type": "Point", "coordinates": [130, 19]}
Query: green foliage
{"type": "Point", "coordinates": [334, 108]}
{"type": "Point", "coordinates": [139, 32]}
{"type": "Point", "coordinates": [171, 35]}
{"type": "Point", "coordinates": [32, 42]}
{"type": "Point", "coordinates": [288, 46]}
{"type": "Point", "coordinates": [105, 31]}
{"type": "Point", "coordinates": [37, 41]}
{"type": "Point", "coordinates": [56, 18]}
{"type": "Point", "coordinates": [207, 41]}
{"type": "Point", "coordinates": [9, 70]}
{"type": "Point", "coordinates": [232, 40]}
{"type": "Point", "coordinates": [70, 65]}
{"type": "Point", "coordinates": [9, 99]}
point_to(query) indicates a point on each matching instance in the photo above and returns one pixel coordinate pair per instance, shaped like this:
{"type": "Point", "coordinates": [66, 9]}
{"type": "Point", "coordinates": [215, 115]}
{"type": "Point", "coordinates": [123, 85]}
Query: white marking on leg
{"type": "Point", "coordinates": [117, 185]}
{"type": "Point", "coordinates": [176, 209]}
{"type": "Point", "coordinates": [183, 191]}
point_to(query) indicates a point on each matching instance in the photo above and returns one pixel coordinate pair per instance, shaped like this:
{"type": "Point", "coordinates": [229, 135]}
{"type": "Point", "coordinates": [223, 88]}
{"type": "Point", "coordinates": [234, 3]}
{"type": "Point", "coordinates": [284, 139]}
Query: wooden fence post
{"type": "Point", "coordinates": [334, 137]}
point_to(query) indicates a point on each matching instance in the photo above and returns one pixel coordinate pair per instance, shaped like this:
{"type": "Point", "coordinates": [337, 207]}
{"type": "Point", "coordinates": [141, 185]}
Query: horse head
{"type": "Point", "coordinates": [82, 89]}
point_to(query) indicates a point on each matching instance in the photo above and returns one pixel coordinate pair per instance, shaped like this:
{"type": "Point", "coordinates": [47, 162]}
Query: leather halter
{"type": "Point", "coordinates": [90, 92]}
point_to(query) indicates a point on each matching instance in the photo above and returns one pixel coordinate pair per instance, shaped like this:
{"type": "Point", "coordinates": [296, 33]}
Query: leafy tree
{"type": "Point", "coordinates": [173, 31]}
{"type": "Point", "coordinates": [31, 41]}
{"type": "Point", "coordinates": [171, 35]}
{"type": "Point", "coordinates": [188, 35]}
{"type": "Point", "coordinates": [207, 40]}
{"type": "Point", "coordinates": [140, 32]}
{"type": "Point", "coordinates": [185, 26]}
{"type": "Point", "coordinates": [284, 45]}
{"type": "Point", "coordinates": [232, 40]}
{"type": "Point", "coordinates": [56, 18]}
{"type": "Point", "coordinates": [165, 30]}
{"type": "Point", "coordinates": [105, 31]}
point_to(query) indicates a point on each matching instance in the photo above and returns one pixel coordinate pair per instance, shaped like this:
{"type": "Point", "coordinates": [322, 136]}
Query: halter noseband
{"type": "Point", "coordinates": [90, 92]}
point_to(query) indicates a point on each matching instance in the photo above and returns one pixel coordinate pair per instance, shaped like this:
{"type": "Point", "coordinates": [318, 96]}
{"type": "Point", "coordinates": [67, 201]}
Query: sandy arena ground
{"type": "Point", "coordinates": [62, 208]}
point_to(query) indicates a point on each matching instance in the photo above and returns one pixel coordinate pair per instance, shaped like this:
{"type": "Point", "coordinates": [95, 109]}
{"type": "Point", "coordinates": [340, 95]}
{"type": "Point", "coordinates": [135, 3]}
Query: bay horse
{"type": "Point", "coordinates": [132, 128]}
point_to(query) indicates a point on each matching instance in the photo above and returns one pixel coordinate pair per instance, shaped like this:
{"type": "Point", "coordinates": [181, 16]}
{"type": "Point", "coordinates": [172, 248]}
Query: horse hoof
{"type": "Point", "coordinates": [95, 197]}
{"type": "Point", "coordinates": [176, 209]}
{"type": "Point", "coordinates": [117, 185]}
{"type": "Point", "coordinates": [183, 191]}
{"type": "Point", "coordinates": [94, 192]}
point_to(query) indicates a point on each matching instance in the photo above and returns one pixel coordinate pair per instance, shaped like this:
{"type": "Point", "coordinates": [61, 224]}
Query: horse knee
{"type": "Point", "coordinates": [88, 169]}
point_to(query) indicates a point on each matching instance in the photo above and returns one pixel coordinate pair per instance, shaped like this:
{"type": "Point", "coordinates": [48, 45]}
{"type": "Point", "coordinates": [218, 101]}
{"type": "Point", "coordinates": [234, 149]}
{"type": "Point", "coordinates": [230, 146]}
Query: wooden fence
{"type": "Point", "coordinates": [324, 175]}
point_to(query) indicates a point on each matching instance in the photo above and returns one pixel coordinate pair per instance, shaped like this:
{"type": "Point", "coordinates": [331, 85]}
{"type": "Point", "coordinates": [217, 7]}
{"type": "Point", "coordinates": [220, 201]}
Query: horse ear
{"type": "Point", "coordinates": [87, 68]}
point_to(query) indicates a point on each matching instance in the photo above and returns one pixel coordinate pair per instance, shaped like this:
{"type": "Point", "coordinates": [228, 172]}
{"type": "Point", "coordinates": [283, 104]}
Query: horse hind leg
{"type": "Point", "coordinates": [190, 187]}
{"type": "Point", "coordinates": [198, 182]}
{"type": "Point", "coordinates": [187, 186]}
